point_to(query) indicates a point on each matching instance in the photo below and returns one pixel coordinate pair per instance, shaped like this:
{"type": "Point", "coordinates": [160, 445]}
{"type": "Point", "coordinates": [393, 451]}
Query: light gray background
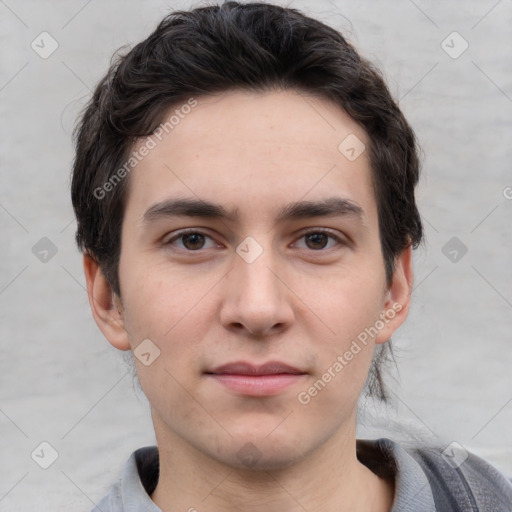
{"type": "Point", "coordinates": [61, 382]}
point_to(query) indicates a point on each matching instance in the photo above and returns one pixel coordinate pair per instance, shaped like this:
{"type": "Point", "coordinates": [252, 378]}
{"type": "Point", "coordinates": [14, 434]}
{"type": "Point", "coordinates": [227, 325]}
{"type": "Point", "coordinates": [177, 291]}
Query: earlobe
{"type": "Point", "coordinates": [106, 307]}
{"type": "Point", "coordinates": [398, 296]}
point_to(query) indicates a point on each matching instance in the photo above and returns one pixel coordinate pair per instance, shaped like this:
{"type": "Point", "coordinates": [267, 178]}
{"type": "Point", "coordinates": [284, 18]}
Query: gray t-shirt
{"type": "Point", "coordinates": [474, 486]}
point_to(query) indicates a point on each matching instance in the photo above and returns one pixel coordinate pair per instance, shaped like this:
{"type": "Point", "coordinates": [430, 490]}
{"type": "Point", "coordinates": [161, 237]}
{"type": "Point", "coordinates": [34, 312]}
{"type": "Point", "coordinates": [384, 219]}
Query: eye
{"type": "Point", "coordinates": [191, 240]}
{"type": "Point", "coordinates": [318, 240]}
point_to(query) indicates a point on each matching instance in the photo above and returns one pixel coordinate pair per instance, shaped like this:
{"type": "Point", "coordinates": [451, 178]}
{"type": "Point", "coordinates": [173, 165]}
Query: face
{"type": "Point", "coordinates": [284, 265]}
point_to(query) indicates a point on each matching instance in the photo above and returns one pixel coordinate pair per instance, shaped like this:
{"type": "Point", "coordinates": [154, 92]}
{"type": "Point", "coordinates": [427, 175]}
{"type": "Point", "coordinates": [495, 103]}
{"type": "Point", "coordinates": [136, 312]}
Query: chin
{"type": "Point", "coordinates": [262, 454]}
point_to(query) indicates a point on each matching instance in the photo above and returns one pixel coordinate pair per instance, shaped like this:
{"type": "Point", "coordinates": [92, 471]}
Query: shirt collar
{"type": "Point", "coordinates": [386, 458]}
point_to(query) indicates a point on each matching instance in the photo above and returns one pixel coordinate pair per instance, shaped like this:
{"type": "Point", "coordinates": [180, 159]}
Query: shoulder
{"type": "Point", "coordinates": [442, 478]}
{"type": "Point", "coordinates": [461, 480]}
{"type": "Point", "coordinates": [133, 489]}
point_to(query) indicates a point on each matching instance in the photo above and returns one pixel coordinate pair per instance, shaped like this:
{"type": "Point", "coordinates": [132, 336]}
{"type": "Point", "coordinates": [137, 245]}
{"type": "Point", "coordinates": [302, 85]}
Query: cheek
{"type": "Point", "coordinates": [158, 299]}
{"type": "Point", "coordinates": [350, 309]}
{"type": "Point", "coordinates": [174, 318]}
{"type": "Point", "coordinates": [352, 302]}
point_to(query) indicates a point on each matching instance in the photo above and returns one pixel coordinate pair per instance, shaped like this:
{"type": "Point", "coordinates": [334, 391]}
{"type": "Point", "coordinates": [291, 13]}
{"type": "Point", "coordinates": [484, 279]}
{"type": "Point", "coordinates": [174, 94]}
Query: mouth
{"type": "Point", "coordinates": [256, 380]}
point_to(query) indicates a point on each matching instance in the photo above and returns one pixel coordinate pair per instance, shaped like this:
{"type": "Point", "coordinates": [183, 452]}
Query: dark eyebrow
{"type": "Point", "coordinates": [333, 206]}
{"type": "Point", "coordinates": [188, 208]}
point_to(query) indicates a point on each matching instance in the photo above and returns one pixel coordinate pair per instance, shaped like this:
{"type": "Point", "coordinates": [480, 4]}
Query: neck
{"type": "Point", "coordinates": [330, 478]}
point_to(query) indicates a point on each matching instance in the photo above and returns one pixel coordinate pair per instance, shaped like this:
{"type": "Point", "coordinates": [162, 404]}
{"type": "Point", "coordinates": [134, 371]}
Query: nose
{"type": "Point", "coordinates": [257, 299]}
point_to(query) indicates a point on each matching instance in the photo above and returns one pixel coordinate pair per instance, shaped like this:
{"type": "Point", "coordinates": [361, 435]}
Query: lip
{"type": "Point", "coordinates": [244, 368]}
{"type": "Point", "coordinates": [256, 380]}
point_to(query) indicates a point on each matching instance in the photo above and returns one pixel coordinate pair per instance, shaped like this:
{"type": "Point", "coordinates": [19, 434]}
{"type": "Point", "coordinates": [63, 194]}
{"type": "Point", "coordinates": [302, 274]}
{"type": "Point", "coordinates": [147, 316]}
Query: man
{"type": "Point", "coordinates": [244, 190]}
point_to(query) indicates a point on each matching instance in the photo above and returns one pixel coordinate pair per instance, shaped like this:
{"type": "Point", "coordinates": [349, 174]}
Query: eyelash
{"type": "Point", "coordinates": [191, 231]}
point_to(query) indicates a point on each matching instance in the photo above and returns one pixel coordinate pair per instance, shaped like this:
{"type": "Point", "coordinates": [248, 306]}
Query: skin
{"type": "Point", "coordinates": [298, 302]}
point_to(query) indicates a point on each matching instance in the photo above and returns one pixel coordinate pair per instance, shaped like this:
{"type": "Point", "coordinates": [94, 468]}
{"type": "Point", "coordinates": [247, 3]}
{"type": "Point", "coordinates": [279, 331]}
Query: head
{"type": "Point", "coordinates": [250, 107]}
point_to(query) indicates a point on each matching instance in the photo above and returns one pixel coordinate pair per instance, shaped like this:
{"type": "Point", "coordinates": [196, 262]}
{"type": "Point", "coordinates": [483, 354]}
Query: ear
{"type": "Point", "coordinates": [397, 296]}
{"type": "Point", "coordinates": [106, 307]}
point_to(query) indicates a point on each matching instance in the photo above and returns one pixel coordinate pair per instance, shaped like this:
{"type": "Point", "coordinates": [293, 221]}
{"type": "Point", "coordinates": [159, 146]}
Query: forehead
{"type": "Point", "coordinates": [252, 150]}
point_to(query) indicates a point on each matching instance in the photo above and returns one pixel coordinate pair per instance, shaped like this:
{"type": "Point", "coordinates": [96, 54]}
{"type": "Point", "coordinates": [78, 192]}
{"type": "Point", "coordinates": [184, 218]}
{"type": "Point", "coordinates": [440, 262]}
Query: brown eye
{"type": "Point", "coordinates": [193, 241]}
{"type": "Point", "coordinates": [317, 240]}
